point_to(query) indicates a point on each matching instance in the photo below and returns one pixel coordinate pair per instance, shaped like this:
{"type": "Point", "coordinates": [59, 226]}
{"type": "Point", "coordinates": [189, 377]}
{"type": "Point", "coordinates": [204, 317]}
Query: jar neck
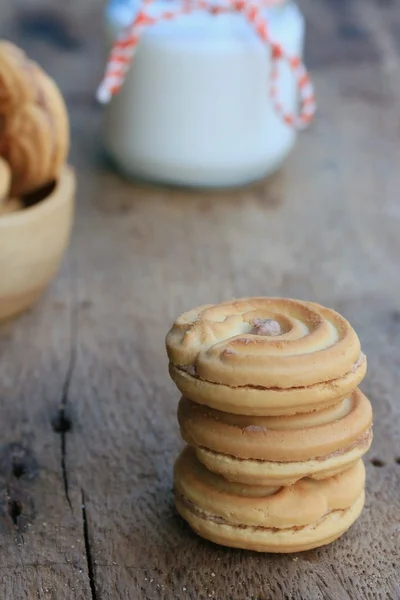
{"type": "Point", "coordinates": [123, 11]}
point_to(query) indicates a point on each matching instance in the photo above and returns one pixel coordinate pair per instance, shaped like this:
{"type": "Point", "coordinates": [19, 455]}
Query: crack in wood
{"type": "Point", "coordinates": [62, 423]}
{"type": "Point", "coordinates": [18, 467]}
{"type": "Point", "coordinates": [63, 438]}
{"type": "Point", "coordinates": [15, 511]}
{"type": "Point", "coordinates": [89, 559]}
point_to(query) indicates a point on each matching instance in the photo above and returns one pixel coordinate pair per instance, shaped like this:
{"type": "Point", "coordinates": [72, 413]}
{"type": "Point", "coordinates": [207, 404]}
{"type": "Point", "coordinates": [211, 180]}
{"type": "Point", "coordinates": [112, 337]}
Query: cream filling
{"type": "Point", "coordinates": [191, 370]}
{"type": "Point", "coordinates": [358, 362]}
{"type": "Point", "coordinates": [250, 424]}
{"type": "Point", "coordinates": [202, 514]}
{"type": "Point", "coordinates": [362, 443]}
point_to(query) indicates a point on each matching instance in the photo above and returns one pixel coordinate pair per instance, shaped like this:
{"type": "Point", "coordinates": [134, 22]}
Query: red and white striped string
{"type": "Point", "coordinates": [124, 48]}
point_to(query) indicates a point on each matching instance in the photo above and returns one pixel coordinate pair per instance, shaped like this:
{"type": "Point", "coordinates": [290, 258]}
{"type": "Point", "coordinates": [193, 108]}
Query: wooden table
{"type": "Point", "coordinates": [87, 412]}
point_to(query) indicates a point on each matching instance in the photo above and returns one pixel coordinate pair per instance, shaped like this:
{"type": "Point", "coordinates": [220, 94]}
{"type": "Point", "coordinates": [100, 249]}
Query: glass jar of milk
{"type": "Point", "coordinates": [195, 108]}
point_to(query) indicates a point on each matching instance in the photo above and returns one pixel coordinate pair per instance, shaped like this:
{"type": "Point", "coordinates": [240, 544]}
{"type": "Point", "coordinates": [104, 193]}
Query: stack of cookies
{"type": "Point", "coordinates": [274, 422]}
{"type": "Point", "coordinates": [34, 133]}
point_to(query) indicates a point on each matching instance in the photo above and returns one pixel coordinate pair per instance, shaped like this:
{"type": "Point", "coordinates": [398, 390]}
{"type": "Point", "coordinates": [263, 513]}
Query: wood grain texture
{"type": "Point", "coordinates": [89, 360]}
{"type": "Point", "coordinates": [41, 530]}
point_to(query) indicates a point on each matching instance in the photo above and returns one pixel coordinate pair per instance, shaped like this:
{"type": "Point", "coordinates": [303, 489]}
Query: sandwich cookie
{"type": "Point", "coordinates": [306, 515]}
{"type": "Point", "coordinates": [265, 356]}
{"type": "Point", "coordinates": [279, 450]}
{"type": "Point", "coordinates": [34, 137]}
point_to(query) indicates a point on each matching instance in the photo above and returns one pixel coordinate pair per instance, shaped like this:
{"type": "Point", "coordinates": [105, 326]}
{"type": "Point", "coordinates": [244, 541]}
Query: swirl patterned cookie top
{"type": "Point", "coordinates": [34, 137]}
{"type": "Point", "coordinates": [266, 345]}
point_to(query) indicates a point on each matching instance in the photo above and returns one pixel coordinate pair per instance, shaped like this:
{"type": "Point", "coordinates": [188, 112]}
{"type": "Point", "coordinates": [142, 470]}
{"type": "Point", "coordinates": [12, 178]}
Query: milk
{"type": "Point", "coordinates": [195, 108]}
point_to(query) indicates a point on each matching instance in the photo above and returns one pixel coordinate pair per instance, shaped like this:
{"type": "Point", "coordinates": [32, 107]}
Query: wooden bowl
{"type": "Point", "coordinates": [32, 244]}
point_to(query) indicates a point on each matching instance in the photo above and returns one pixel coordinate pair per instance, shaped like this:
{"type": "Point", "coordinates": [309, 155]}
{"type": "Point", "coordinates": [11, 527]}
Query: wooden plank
{"type": "Point", "coordinates": [42, 543]}
{"type": "Point", "coordinates": [326, 228]}
{"type": "Point", "coordinates": [321, 238]}
{"type": "Point", "coordinates": [42, 529]}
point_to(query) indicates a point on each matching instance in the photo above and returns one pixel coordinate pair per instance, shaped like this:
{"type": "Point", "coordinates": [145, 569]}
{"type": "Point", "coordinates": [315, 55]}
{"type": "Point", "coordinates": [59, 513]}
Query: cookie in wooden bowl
{"type": "Point", "coordinates": [34, 133]}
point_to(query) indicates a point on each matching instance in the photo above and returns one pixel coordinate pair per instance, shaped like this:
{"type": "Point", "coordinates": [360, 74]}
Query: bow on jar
{"type": "Point", "coordinates": [125, 46]}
